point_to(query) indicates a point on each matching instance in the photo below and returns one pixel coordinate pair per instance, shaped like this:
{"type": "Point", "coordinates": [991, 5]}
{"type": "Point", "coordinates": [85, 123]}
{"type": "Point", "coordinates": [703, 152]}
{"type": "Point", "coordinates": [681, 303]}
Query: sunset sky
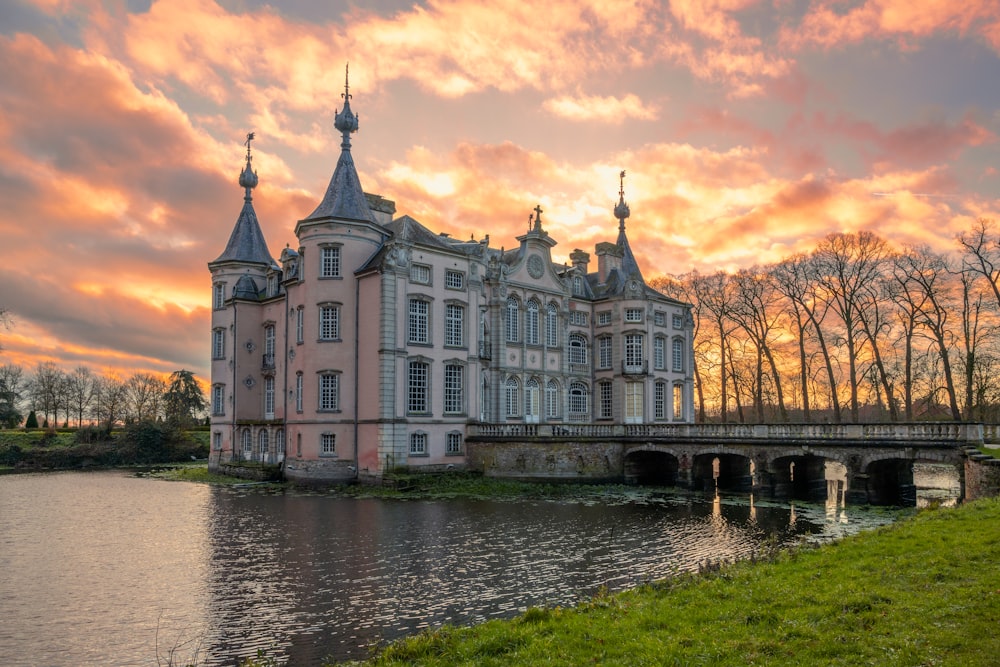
{"type": "Point", "coordinates": [748, 130]}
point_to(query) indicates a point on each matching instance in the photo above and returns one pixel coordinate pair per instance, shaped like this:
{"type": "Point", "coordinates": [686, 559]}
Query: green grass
{"type": "Point", "coordinates": [193, 472]}
{"type": "Point", "coordinates": [990, 451]}
{"type": "Point", "coordinates": [36, 438]}
{"type": "Point", "coordinates": [924, 591]}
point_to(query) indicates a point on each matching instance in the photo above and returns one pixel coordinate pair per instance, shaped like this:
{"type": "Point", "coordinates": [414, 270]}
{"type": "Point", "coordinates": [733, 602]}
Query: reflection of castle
{"type": "Point", "coordinates": [377, 341]}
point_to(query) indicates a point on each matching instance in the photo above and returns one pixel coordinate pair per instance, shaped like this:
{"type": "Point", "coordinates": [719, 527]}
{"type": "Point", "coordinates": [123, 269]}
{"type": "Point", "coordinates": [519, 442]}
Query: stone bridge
{"type": "Point", "coordinates": [860, 463]}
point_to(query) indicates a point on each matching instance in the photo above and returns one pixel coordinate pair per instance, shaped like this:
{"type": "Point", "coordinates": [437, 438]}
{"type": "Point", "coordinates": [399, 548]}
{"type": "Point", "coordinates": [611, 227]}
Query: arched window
{"type": "Point", "coordinates": [247, 441]}
{"type": "Point", "coordinates": [577, 349]}
{"type": "Point", "coordinates": [531, 323]}
{"type": "Point", "coordinates": [279, 441]}
{"type": "Point", "coordinates": [512, 392]}
{"type": "Point", "coordinates": [262, 442]}
{"type": "Point", "coordinates": [551, 400]}
{"type": "Point", "coordinates": [512, 325]}
{"type": "Point", "coordinates": [551, 325]}
{"type": "Point", "coordinates": [577, 400]}
{"type": "Point", "coordinates": [531, 400]}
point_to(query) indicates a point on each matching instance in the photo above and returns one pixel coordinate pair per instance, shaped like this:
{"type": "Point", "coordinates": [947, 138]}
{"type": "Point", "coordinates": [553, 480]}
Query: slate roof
{"type": "Point", "coordinates": [344, 197]}
{"type": "Point", "coordinates": [246, 243]}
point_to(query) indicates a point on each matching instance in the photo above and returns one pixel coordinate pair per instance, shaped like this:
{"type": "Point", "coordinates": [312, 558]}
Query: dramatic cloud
{"type": "Point", "coordinates": [748, 130]}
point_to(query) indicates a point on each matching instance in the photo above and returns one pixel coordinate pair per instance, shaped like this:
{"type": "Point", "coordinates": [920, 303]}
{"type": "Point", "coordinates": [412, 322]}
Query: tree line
{"type": "Point", "coordinates": [50, 396]}
{"type": "Point", "coordinates": [855, 330]}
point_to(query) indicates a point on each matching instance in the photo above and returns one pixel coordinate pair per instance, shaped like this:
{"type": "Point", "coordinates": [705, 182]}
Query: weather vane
{"type": "Point", "coordinates": [621, 187]}
{"type": "Point", "coordinates": [250, 137]}
{"type": "Point", "coordinates": [347, 90]}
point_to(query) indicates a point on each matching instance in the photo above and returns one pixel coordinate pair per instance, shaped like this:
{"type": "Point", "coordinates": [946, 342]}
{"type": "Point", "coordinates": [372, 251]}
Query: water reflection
{"type": "Point", "coordinates": [307, 576]}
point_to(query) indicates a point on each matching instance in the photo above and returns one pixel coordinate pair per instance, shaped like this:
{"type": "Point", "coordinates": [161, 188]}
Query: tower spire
{"type": "Point", "coordinates": [621, 208]}
{"type": "Point", "coordinates": [346, 120]}
{"type": "Point", "coordinates": [248, 177]}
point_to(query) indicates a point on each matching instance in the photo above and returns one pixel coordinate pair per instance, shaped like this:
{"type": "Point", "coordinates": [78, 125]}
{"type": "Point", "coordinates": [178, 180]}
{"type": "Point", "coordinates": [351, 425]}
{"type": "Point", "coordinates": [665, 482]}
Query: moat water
{"type": "Point", "coordinates": [105, 568]}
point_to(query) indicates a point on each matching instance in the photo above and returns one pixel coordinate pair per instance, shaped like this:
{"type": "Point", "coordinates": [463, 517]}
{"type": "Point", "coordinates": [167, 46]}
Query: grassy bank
{"type": "Point", "coordinates": [137, 444]}
{"type": "Point", "coordinates": [924, 591]}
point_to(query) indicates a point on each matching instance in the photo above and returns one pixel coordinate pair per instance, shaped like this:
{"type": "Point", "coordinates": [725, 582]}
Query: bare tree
{"type": "Point", "coordinates": [981, 250]}
{"type": "Point", "coordinates": [848, 264]}
{"type": "Point", "coordinates": [755, 308]}
{"type": "Point", "coordinates": [714, 292]}
{"type": "Point", "coordinates": [12, 388]}
{"type": "Point", "coordinates": [46, 389]}
{"type": "Point", "coordinates": [81, 391]}
{"type": "Point", "coordinates": [110, 394]}
{"type": "Point", "coordinates": [144, 397]}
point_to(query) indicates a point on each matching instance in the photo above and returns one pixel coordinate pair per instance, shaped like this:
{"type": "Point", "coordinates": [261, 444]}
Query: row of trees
{"type": "Point", "coordinates": [83, 397]}
{"type": "Point", "coordinates": [856, 330]}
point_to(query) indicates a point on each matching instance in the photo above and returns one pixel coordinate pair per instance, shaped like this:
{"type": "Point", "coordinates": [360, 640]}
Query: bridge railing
{"type": "Point", "coordinates": [908, 432]}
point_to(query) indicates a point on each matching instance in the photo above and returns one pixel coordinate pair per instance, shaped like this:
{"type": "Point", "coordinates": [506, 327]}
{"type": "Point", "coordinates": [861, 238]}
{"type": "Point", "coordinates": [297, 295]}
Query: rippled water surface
{"type": "Point", "coordinates": [105, 568]}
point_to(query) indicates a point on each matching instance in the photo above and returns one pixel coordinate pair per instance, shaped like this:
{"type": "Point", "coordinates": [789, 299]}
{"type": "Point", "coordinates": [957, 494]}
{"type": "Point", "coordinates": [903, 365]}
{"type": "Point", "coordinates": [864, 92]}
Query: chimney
{"type": "Point", "coordinates": [609, 258]}
{"type": "Point", "coordinates": [580, 260]}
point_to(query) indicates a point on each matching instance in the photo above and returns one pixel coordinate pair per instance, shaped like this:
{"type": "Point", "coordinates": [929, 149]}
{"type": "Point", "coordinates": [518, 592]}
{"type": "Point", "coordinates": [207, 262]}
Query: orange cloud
{"type": "Point", "coordinates": [608, 109]}
{"type": "Point", "coordinates": [828, 26]}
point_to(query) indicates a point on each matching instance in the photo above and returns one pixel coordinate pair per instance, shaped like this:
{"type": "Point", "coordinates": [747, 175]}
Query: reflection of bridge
{"type": "Point", "coordinates": [874, 462]}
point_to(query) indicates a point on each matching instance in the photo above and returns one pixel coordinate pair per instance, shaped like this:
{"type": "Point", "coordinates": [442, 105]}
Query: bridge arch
{"type": "Point", "coordinates": [722, 471]}
{"type": "Point", "coordinates": [652, 466]}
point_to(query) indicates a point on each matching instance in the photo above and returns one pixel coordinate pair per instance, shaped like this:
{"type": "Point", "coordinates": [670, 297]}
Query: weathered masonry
{"type": "Point", "coordinates": [774, 460]}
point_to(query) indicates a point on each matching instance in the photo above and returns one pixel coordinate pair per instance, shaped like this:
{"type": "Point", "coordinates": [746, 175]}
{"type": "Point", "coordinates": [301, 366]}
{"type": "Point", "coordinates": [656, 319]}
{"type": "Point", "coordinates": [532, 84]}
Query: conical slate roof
{"type": "Point", "coordinates": [246, 243]}
{"type": "Point", "coordinates": [344, 198]}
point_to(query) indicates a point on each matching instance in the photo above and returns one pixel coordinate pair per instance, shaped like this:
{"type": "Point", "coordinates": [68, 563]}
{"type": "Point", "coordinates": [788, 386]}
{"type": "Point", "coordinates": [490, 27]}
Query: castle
{"type": "Point", "coordinates": [375, 343]}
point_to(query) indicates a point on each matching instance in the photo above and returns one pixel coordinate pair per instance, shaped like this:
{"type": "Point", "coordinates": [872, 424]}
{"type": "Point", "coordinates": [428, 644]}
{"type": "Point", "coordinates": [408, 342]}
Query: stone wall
{"type": "Point", "coordinates": [982, 476]}
{"type": "Point", "coordinates": [255, 472]}
{"type": "Point", "coordinates": [555, 460]}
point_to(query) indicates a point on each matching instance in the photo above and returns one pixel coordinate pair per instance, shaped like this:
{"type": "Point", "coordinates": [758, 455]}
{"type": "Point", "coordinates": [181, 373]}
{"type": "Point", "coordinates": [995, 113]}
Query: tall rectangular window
{"type": "Point", "coordinates": [678, 354]}
{"type": "Point", "coordinates": [604, 354]}
{"type": "Point", "coordinates": [551, 325]}
{"type": "Point", "coordinates": [659, 353]}
{"type": "Point", "coordinates": [660, 401]}
{"type": "Point", "coordinates": [418, 329]}
{"type": "Point", "coordinates": [329, 322]}
{"type": "Point", "coordinates": [454, 445]}
{"type": "Point", "coordinates": [633, 350]}
{"type": "Point", "coordinates": [418, 399]}
{"type": "Point", "coordinates": [454, 388]}
{"type": "Point", "coordinates": [454, 325]}
{"type": "Point", "coordinates": [513, 308]}
{"type": "Point", "coordinates": [607, 403]}
{"type": "Point", "coordinates": [418, 444]}
{"type": "Point", "coordinates": [551, 400]}
{"type": "Point", "coordinates": [300, 325]}
{"type": "Point", "coordinates": [329, 392]}
{"type": "Point", "coordinates": [577, 350]}
{"type": "Point", "coordinates": [269, 398]}
{"type": "Point", "coordinates": [218, 399]}
{"type": "Point", "coordinates": [678, 401]}
{"type": "Point", "coordinates": [219, 296]}
{"type": "Point", "coordinates": [329, 262]}
{"type": "Point", "coordinates": [218, 343]}
{"type": "Point", "coordinates": [269, 346]}
{"type": "Point", "coordinates": [531, 324]}
{"type": "Point", "coordinates": [298, 392]}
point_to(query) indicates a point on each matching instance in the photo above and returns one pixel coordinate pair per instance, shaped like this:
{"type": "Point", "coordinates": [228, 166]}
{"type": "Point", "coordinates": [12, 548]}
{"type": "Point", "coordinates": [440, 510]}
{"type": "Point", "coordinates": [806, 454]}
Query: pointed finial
{"type": "Point", "coordinates": [345, 120]}
{"type": "Point", "coordinates": [621, 209]}
{"type": "Point", "coordinates": [248, 177]}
